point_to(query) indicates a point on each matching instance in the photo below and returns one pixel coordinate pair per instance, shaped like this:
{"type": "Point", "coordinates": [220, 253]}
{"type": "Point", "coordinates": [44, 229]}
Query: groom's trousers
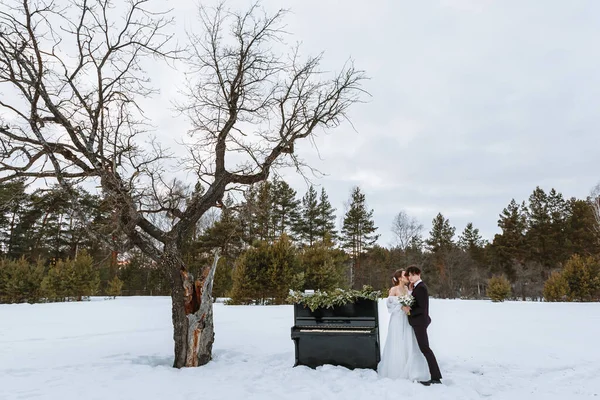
{"type": "Point", "coordinates": [423, 341]}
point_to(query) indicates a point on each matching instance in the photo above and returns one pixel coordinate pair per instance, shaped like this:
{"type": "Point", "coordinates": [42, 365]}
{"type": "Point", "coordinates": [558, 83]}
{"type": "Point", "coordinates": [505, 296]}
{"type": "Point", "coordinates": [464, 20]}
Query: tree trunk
{"type": "Point", "coordinates": [192, 310]}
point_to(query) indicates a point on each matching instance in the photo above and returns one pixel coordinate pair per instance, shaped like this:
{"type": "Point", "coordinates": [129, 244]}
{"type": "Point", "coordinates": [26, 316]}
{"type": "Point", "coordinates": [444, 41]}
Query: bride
{"type": "Point", "coordinates": [401, 358]}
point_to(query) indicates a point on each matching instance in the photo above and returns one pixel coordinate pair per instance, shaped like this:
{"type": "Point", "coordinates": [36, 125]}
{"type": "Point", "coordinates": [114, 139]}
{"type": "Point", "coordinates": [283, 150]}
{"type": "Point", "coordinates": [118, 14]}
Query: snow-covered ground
{"type": "Point", "coordinates": [121, 349]}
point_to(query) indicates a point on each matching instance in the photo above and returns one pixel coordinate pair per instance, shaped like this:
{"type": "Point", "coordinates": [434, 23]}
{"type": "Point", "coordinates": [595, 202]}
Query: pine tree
{"type": "Point", "coordinates": [473, 244]}
{"type": "Point", "coordinates": [52, 228]}
{"type": "Point", "coordinates": [559, 215]}
{"type": "Point", "coordinates": [306, 225]}
{"type": "Point", "coordinates": [226, 234]}
{"type": "Point", "coordinates": [27, 239]}
{"type": "Point", "coordinates": [247, 215]}
{"type": "Point", "coordinates": [265, 273]}
{"type": "Point", "coordinates": [376, 268]}
{"type": "Point", "coordinates": [555, 287]}
{"type": "Point", "coordinates": [581, 235]}
{"type": "Point", "coordinates": [256, 213]}
{"type": "Point", "coordinates": [13, 202]}
{"type": "Point", "coordinates": [440, 244]}
{"type": "Point", "coordinates": [557, 207]}
{"type": "Point", "coordinates": [470, 239]}
{"type": "Point", "coordinates": [358, 231]}
{"type": "Point", "coordinates": [140, 275]}
{"type": "Point", "coordinates": [325, 221]}
{"type": "Point", "coordinates": [114, 287]}
{"type": "Point", "coordinates": [582, 275]}
{"type": "Point", "coordinates": [547, 233]}
{"type": "Point", "coordinates": [441, 235]}
{"type": "Point", "coordinates": [263, 212]}
{"type": "Point", "coordinates": [89, 214]}
{"type": "Point", "coordinates": [223, 280]}
{"type": "Point", "coordinates": [285, 207]}
{"type": "Point", "coordinates": [414, 251]}
{"type": "Point", "coordinates": [54, 224]}
{"type": "Point", "coordinates": [284, 269]}
{"type": "Point", "coordinates": [55, 284]}
{"type": "Point", "coordinates": [508, 248]}
{"type": "Point", "coordinates": [83, 278]}
{"type": "Point", "coordinates": [538, 238]}
{"type": "Point", "coordinates": [249, 276]}
{"type": "Point", "coordinates": [323, 266]}
{"type": "Point", "coordinates": [20, 281]}
{"type": "Point", "coordinates": [498, 288]}
{"type": "Point", "coordinates": [71, 279]}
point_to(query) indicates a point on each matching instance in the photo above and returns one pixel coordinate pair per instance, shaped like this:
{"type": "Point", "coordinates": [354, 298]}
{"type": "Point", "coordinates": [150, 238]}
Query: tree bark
{"type": "Point", "coordinates": [192, 310]}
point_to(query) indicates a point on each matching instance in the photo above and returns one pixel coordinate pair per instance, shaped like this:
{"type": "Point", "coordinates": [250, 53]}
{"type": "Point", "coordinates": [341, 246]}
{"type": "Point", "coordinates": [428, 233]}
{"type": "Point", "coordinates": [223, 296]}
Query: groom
{"type": "Point", "coordinates": [419, 320]}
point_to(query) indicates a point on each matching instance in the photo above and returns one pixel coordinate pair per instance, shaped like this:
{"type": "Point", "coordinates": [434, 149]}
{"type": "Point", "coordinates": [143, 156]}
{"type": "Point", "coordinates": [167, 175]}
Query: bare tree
{"type": "Point", "coordinates": [405, 228]}
{"type": "Point", "coordinates": [74, 75]}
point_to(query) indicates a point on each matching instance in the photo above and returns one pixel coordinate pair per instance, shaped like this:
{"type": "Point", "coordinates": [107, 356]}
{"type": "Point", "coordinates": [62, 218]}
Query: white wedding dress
{"type": "Point", "coordinates": [401, 358]}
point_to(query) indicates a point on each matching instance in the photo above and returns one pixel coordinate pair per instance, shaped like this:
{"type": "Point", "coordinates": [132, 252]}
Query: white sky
{"type": "Point", "coordinates": [473, 103]}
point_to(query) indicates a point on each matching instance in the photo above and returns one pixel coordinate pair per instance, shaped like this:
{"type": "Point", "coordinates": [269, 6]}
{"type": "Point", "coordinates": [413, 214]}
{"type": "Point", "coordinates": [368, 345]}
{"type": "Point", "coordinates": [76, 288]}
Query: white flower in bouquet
{"type": "Point", "coordinates": [406, 300]}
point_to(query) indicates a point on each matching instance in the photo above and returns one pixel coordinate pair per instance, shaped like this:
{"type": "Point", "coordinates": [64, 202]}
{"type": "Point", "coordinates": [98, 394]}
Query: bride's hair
{"type": "Point", "coordinates": [397, 277]}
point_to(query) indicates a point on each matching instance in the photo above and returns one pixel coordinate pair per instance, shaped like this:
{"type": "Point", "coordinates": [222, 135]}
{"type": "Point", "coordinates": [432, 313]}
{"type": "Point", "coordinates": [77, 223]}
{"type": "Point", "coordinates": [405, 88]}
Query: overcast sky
{"type": "Point", "coordinates": [473, 103]}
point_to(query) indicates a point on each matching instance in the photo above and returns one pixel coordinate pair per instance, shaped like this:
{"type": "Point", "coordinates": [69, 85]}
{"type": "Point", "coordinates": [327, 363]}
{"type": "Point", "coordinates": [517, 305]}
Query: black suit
{"type": "Point", "coordinates": [419, 320]}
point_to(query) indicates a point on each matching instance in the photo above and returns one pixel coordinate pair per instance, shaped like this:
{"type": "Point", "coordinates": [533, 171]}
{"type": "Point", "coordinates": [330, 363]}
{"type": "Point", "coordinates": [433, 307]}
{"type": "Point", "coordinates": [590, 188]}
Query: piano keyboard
{"type": "Point", "coordinates": [337, 327]}
{"type": "Point", "coordinates": [334, 330]}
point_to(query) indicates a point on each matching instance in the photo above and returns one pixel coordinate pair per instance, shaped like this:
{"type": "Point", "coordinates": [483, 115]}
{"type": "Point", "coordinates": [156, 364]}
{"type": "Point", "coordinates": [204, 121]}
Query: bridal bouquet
{"type": "Point", "coordinates": [407, 300]}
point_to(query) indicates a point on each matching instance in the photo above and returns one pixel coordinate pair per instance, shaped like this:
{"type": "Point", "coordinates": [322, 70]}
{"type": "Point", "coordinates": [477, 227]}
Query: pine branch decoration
{"type": "Point", "coordinates": [336, 298]}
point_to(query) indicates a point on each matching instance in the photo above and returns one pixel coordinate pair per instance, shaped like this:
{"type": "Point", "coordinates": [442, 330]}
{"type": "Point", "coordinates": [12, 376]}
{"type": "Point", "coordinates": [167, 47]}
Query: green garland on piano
{"type": "Point", "coordinates": [330, 299]}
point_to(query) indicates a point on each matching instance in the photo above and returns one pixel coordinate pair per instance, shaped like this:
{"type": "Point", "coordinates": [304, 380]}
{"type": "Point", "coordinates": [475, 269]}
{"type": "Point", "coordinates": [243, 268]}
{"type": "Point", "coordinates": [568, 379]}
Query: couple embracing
{"type": "Point", "coordinates": [406, 354]}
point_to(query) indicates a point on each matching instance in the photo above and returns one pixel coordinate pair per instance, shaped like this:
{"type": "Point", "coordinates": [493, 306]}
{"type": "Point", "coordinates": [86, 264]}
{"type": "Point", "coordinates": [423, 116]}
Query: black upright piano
{"type": "Point", "coordinates": [346, 335]}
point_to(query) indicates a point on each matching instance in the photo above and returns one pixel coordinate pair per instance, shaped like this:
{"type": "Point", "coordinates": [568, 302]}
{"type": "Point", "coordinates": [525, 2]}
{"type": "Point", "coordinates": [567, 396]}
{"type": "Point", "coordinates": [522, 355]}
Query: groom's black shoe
{"type": "Point", "coordinates": [430, 382]}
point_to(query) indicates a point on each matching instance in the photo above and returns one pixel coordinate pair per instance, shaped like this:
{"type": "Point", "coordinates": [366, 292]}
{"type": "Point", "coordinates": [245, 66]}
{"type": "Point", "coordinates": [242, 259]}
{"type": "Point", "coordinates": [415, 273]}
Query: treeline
{"type": "Point", "coordinates": [543, 237]}
{"type": "Point", "coordinates": [272, 241]}
{"type": "Point", "coordinates": [48, 251]}
{"type": "Point", "coordinates": [69, 280]}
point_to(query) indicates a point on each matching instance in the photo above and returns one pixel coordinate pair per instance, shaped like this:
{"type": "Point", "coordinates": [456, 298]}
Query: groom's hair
{"type": "Point", "coordinates": [412, 270]}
